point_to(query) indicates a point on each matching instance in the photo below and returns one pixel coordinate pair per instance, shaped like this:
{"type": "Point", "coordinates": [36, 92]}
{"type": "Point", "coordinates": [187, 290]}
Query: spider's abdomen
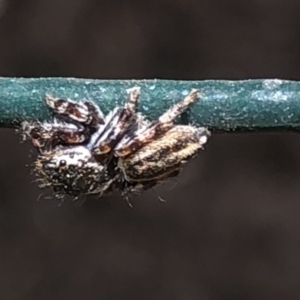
{"type": "Point", "coordinates": [165, 155]}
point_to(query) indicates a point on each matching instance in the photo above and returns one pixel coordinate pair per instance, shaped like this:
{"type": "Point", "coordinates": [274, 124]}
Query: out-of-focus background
{"type": "Point", "coordinates": [230, 228]}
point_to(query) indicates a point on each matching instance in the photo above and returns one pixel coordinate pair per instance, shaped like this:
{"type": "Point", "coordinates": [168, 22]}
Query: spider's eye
{"type": "Point", "coordinates": [62, 163]}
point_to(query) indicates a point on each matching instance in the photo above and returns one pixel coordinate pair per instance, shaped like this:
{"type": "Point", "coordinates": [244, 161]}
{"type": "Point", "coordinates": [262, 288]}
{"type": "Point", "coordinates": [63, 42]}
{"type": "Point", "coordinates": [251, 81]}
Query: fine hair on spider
{"type": "Point", "coordinates": [82, 151]}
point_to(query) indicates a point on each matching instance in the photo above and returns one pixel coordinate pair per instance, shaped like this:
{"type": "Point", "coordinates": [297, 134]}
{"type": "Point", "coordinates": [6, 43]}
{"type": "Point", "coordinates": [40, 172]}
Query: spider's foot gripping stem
{"type": "Point", "coordinates": [179, 107]}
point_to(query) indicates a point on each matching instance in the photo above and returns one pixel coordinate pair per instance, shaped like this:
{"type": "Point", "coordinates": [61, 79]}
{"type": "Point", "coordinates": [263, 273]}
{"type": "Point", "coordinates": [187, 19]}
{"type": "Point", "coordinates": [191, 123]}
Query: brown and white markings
{"type": "Point", "coordinates": [84, 152]}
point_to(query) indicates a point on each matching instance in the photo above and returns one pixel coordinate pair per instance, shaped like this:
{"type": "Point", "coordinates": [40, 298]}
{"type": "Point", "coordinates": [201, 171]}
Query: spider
{"type": "Point", "coordinates": [84, 152]}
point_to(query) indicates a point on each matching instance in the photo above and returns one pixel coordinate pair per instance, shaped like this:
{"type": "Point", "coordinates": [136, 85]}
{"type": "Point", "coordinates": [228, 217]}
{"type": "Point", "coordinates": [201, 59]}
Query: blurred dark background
{"type": "Point", "coordinates": [230, 228]}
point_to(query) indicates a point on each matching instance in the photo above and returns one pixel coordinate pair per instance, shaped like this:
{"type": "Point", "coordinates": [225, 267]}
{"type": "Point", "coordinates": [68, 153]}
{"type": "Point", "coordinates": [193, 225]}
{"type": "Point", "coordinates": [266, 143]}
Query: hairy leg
{"type": "Point", "coordinates": [85, 112]}
{"type": "Point", "coordinates": [116, 124]}
{"type": "Point", "coordinates": [46, 136]}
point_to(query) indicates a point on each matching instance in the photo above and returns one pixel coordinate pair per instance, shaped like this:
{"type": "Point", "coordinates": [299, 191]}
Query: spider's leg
{"type": "Point", "coordinates": [179, 107]}
{"type": "Point", "coordinates": [85, 112]}
{"type": "Point", "coordinates": [132, 99]}
{"type": "Point", "coordinates": [155, 129]}
{"type": "Point", "coordinates": [128, 189]}
{"type": "Point", "coordinates": [45, 136]}
{"type": "Point", "coordinates": [116, 124]}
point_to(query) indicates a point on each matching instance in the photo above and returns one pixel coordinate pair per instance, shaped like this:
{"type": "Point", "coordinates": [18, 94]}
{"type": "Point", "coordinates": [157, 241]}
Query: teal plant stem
{"type": "Point", "coordinates": [224, 106]}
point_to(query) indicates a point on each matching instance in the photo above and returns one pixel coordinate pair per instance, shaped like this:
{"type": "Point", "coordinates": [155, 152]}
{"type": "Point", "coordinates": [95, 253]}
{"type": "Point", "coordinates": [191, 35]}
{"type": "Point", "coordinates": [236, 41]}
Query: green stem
{"type": "Point", "coordinates": [261, 105]}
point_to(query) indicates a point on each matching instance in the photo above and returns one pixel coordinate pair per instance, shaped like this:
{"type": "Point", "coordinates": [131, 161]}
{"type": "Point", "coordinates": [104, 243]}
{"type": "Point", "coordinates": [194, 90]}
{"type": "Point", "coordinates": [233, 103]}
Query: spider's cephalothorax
{"type": "Point", "coordinates": [84, 152]}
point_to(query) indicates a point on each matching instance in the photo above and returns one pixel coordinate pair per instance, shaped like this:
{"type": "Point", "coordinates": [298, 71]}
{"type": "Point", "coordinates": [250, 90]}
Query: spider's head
{"type": "Point", "coordinates": [71, 171]}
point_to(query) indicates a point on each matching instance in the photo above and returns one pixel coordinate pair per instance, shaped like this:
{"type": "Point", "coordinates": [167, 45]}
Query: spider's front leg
{"type": "Point", "coordinates": [116, 125]}
{"type": "Point", "coordinates": [46, 136]}
{"type": "Point", "coordinates": [85, 112]}
{"type": "Point", "coordinates": [74, 124]}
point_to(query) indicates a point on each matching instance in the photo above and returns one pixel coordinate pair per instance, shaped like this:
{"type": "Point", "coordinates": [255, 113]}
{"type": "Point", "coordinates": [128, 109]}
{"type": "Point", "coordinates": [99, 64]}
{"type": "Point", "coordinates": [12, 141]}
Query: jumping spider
{"type": "Point", "coordinates": [84, 152]}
